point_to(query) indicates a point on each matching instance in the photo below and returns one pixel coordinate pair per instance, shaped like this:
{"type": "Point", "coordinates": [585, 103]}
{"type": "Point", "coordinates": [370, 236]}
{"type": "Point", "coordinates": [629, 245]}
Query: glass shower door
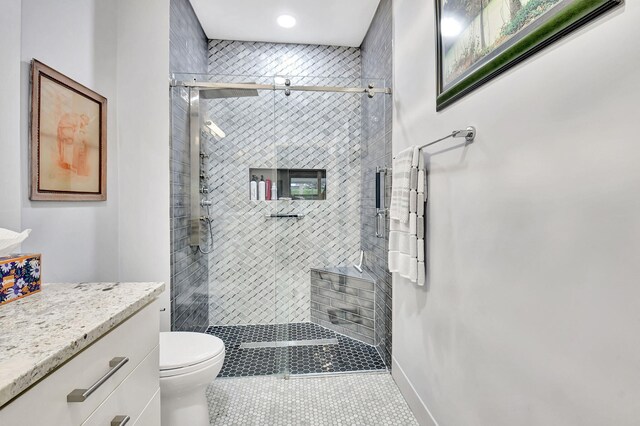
{"type": "Point", "coordinates": [237, 156]}
{"type": "Point", "coordinates": [319, 142]}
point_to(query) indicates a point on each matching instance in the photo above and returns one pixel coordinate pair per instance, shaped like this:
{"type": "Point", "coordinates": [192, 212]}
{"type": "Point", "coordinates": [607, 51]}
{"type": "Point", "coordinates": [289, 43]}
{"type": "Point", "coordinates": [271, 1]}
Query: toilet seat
{"type": "Point", "coordinates": [186, 352]}
{"type": "Point", "coordinates": [183, 371]}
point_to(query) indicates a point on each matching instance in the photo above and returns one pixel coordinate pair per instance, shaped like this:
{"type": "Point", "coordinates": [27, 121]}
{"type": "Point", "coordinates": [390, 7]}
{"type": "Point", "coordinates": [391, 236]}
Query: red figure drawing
{"type": "Point", "coordinates": [72, 143]}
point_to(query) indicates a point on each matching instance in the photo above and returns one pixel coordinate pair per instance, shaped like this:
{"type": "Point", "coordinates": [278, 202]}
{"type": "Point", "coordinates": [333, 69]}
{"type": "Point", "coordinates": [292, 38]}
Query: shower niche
{"type": "Point", "coordinates": [287, 184]}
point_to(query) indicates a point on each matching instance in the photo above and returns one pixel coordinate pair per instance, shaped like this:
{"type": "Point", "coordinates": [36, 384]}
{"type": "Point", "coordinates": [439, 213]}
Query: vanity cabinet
{"type": "Point", "coordinates": [113, 381]}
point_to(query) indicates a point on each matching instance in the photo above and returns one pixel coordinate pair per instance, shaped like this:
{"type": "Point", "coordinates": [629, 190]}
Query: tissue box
{"type": "Point", "coordinates": [20, 276]}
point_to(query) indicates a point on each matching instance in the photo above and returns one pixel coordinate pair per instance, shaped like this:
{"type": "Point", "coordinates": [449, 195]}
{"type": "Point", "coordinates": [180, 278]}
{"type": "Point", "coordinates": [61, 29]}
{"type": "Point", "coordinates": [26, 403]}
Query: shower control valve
{"type": "Point", "coordinates": [369, 90]}
{"type": "Point", "coordinates": [205, 218]}
{"type": "Point", "coordinates": [287, 83]}
{"type": "Point", "coordinates": [204, 190]}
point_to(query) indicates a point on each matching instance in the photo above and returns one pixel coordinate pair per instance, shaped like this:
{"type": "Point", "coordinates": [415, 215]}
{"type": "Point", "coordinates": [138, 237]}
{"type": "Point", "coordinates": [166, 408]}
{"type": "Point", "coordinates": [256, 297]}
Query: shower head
{"type": "Point", "coordinates": [227, 93]}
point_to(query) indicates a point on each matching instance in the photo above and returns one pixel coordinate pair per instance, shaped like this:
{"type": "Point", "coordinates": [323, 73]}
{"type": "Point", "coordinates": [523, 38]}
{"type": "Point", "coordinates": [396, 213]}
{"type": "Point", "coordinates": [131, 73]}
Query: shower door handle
{"type": "Point", "coordinates": [381, 216]}
{"type": "Point", "coordinates": [381, 202]}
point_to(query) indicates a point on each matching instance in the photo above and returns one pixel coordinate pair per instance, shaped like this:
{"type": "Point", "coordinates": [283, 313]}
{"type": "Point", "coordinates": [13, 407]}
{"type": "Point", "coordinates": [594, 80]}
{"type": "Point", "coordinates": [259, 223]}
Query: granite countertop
{"type": "Point", "coordinates": [40, 332]}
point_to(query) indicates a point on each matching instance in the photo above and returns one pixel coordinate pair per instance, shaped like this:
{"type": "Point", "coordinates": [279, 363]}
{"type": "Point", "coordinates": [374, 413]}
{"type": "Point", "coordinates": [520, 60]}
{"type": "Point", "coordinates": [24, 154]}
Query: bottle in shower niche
{"type": "Point", "coordinates": [261, 189]}
{"type": "Point", "coordinates": [274, 191]}
{"type": "Point", "coordinates": [268, 189]}
{"type": "Point", "coordinates": [254, 188]}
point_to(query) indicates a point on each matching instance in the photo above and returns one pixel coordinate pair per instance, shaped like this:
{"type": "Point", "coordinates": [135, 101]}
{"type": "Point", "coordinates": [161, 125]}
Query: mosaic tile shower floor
{"type": "Point", "coordinates": [346, 400]}
{"type": "Point", "coordinates": [349, 355]}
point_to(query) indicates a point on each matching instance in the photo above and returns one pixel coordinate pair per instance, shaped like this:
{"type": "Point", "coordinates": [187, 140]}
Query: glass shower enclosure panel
{"type": "Point", "coordinates": [241, 269]}
{"type": "Point", "coordinates": [221, 182]}
{"type": "Point", "coordinates": [319, 142]}
{"type": "Point", "coordinates": [272, 204]}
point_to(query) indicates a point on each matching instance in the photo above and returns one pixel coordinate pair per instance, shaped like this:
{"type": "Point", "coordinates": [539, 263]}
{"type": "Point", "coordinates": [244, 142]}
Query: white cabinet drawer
{"type": "Point", "coordinates": [151, 414]}
{"type": "Point", "coordinates": [135, 339]}
{"type": "Point", "coordinates": [132, 396]}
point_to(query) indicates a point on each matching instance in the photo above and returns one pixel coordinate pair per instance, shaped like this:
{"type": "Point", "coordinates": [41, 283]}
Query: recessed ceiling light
{"type": "Point", "coordinates": [450, 27]}
{"type": "Point", "coordinates": [286, 21]}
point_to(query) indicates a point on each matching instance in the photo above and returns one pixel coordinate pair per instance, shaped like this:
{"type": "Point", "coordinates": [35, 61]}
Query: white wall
{"type": "Point", "coordinates": [78, 241]}
{"type": "Point", "coordinates": [532, 312]}
{"type": "Point", "coordinates": [10, 115]}
{"type": "Point", "coordinates": [121, 50]}
{"type": "Point", "coordinates": [143, 143]}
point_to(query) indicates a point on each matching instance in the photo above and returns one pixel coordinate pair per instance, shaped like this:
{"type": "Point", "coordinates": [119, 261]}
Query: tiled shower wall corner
{"type": "Point", "coordinates": [376, 51]}
{"type": "Point", "coordinates": [259, 271]}
{"type": "Point", "coordinates": [189, 285]}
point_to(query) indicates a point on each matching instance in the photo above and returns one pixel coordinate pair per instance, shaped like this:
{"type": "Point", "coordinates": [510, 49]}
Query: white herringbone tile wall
{"type": "Point", "coordinates": [259, 270]}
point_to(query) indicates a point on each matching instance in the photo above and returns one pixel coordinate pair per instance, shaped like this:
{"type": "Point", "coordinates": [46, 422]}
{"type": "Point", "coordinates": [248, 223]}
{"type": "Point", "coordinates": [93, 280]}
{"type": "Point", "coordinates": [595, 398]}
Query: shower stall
{"type": "Point", "coordinates": [268, 183]}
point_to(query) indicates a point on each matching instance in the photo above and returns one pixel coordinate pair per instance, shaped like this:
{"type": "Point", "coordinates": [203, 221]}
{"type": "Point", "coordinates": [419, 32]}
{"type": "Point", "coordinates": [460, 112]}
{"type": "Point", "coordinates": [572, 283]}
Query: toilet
{"type": "Point", "coordinates": [188, 364]}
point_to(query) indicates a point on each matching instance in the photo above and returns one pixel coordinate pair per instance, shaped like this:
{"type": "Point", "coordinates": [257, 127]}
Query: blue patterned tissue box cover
{"type": "Point", "coordinates": [20, 275]}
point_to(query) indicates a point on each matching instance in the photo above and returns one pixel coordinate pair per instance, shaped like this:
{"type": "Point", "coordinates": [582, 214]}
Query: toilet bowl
{"type": "Point", "coordinates": [188, 364]}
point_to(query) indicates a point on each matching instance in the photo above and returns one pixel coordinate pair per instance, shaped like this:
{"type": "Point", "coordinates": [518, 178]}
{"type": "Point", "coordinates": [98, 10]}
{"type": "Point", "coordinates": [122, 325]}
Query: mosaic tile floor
{"type": "Point", "coordinates": [347, 356]}
{"type": "Point", "coordinates": [345, 400]}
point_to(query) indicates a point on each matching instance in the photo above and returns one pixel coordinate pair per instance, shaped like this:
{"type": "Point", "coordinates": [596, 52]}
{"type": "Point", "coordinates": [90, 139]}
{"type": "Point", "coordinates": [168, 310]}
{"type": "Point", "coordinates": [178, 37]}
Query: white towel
{"type": "Point", "coordinates": [406, 237]}
{"type": "Point", "coordinates": [402, 247]}
{"type": "Point", "coordinates": [401, 174]}
{"type": "Point", "coordinates": [421, 190]}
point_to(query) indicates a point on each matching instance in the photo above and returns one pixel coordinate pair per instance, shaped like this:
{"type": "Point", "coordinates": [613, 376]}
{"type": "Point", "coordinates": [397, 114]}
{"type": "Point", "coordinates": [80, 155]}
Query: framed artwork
{"type": "Point", "coordinates": [479, 39]}
{"type": "Point", "coordinates": [68, 138]}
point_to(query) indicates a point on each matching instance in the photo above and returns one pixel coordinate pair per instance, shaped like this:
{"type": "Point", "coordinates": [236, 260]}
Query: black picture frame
{"type": "Point", "coordinates": [561, 18]}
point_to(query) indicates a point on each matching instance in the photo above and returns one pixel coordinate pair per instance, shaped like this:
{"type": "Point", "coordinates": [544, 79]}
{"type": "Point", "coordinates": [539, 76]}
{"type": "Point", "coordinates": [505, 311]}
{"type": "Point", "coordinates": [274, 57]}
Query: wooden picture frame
{"type": "Point", "coordinates": [68, 138]}
{"type": "Point", "coordinates": [476, 40]}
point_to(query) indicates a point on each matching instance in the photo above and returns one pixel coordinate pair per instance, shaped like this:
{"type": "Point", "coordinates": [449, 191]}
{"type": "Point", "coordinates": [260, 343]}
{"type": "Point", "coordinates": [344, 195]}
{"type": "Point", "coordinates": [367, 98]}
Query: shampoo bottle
{"type": "Point", "coordinates": [254, 188]}
{"type": "Point", "coordinates": [268, 189]}
{"type": "Point", "coordinates": [274, 191]}
{"type": "Point", "coordinates": [261, 189]}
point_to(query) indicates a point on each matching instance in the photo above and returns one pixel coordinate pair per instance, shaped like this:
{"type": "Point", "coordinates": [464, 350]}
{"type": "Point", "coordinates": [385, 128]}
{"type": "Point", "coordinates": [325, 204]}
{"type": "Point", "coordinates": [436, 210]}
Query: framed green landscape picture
{"type": "Point", "coordinates": [479, 39]}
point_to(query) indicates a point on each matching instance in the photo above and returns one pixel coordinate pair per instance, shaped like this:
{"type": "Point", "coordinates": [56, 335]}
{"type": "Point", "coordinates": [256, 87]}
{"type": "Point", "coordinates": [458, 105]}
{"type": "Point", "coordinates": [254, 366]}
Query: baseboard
{"type": "Point", "coordinates": [416, 404]}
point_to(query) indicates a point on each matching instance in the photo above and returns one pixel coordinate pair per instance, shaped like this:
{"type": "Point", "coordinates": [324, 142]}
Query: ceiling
{"type": "Point", "coordinates": [328, 22]}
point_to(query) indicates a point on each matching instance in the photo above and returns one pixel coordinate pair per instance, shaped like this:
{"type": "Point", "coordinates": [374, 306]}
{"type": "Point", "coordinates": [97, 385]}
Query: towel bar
{"type": "Point", "coordinates": [469, 134]}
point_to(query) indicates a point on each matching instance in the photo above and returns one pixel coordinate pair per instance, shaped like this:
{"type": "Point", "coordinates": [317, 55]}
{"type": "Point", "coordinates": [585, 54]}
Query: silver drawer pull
{"type": "Point", "coordinates": [79, 395]}
{"type": "Point", "coordinates": [120, 420]}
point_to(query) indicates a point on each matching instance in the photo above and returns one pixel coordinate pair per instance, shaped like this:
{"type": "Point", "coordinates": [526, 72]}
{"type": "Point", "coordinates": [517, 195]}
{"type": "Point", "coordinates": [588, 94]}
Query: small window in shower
{"type": "Point", "coordinates": [308, 184]}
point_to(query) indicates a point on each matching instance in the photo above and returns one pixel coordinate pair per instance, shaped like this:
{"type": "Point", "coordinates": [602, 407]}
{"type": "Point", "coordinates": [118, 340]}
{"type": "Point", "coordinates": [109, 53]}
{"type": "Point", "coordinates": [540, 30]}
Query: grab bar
{"type": "Point", "coordinates": [285, 216]}
{"type": "Point", "coordinates": [381, 202]}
